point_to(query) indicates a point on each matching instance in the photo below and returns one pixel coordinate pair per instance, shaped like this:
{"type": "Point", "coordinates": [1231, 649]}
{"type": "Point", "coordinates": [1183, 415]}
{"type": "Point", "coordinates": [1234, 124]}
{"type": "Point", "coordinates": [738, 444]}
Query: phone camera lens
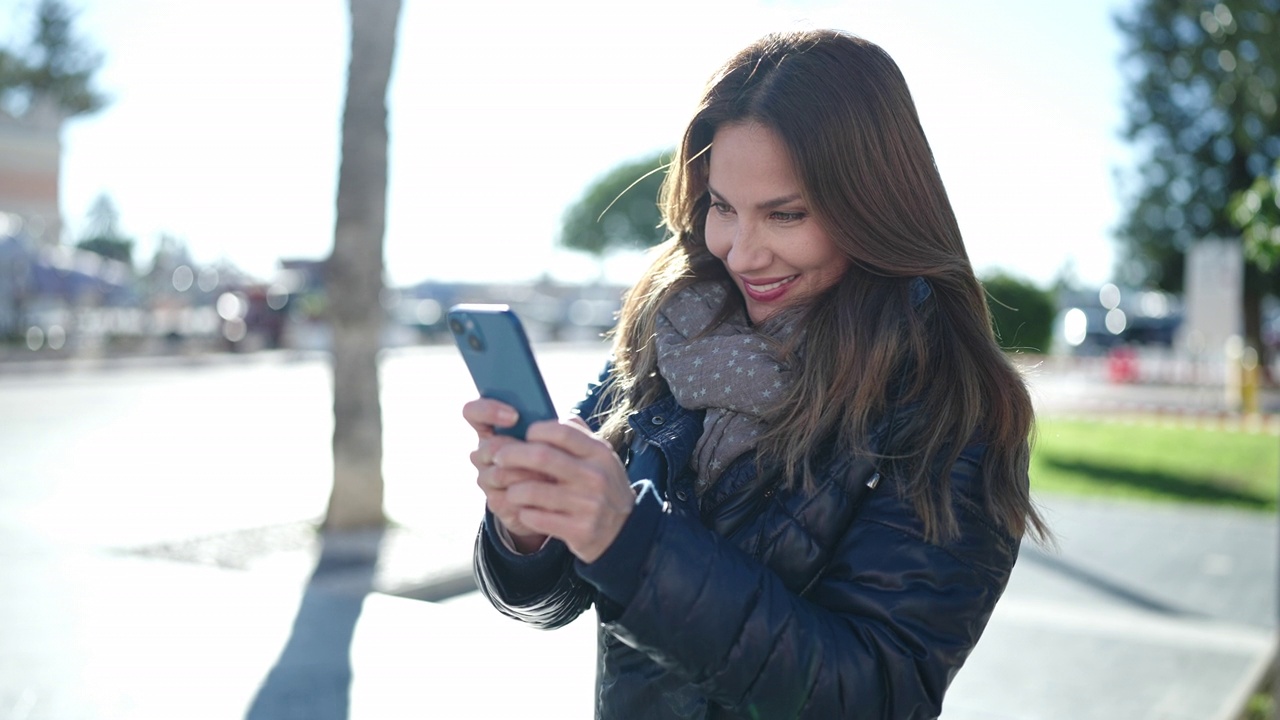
{"type": "Point", "coordinates": [455, 325]}
{"type": "Point", "coordinates": [475, 342]}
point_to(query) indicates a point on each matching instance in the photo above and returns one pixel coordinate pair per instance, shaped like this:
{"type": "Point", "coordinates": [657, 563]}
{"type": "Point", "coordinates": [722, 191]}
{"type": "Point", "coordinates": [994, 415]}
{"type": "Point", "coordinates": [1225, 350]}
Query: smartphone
{"type": "Point", "coordinates": [497, 352]}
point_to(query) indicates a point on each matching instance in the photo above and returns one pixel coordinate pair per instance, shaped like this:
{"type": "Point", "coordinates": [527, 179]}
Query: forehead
{"type": "Point", "coordinates": [751, 159]}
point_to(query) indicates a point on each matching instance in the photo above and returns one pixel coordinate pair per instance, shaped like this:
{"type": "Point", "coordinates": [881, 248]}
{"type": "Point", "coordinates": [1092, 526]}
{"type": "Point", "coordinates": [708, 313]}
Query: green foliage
{"type": "Point", "coordinates": [112, 248]}
{"type": "Point", "coordinates": [1262, 706]}
{"type": "Point", "coordinates": [12, 71]}
{"type": "Point", "coordinates": [1150, 461]}
{"type": "Point", "coordinates": [1021, 313]}
{"type": "Point", "coordinates": [56, 66]}
{"type": "Point", "coordinates": [1204, 84]}
{"type": "Point", "coordinates": [102, 234]}
{"type": "Point", "coordinates": [1256, 212]}
{"type": "Point", "coordinates": [618, 210]}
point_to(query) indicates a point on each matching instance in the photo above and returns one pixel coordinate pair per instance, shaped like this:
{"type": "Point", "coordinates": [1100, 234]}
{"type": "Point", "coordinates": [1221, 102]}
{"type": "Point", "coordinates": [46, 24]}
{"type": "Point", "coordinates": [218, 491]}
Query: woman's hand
{"type": "Point", "coordinates": [484, 416]}
{"type": "Point", "coordinates": [567, 483]}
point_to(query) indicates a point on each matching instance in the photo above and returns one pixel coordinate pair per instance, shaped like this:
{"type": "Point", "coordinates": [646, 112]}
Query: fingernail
{"type": "Point", "coordinates": [507, 415]}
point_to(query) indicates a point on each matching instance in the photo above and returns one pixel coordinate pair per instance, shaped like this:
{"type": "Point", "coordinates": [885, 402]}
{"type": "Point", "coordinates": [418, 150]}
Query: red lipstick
{"type": "Point", "coordinates": [767, 289]}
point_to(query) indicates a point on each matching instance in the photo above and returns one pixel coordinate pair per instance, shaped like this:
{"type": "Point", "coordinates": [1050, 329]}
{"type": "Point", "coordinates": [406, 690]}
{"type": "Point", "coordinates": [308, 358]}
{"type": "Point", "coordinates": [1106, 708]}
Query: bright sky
{"type": "Point", "coordinates": [223, 129]}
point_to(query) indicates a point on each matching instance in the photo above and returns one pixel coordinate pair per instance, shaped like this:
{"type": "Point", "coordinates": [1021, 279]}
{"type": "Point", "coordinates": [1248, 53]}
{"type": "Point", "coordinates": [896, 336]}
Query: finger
{"type": "Point", "coordinates": [507, 514]}
{"type": "Point", "coordinates": [551, 497]}
{"type": "Point", "coordinates": [588, 476]}
{"type": "Point", "coordinates": [539, 457]}
{"type": "Point", "coordinates": [499, 502]}
{"type": "Point", "coordinates": [569, 527]}
{"type": "Point", "coordinates": [508, 505]}
{"type": "Point", "coordinates": [572, 437]}
{"type": "Point", "coordinates": [482, 456]}
{"type": "Point", "coordinates": [540, 520]}
{"type": "Point", "coordinates": [500, 479]}
{"type": "Point", "coordinates": [485, 414]}
{"type": "Point", "coordinates": [566, 498]}
{"type": "Point", "coordinates": [587, 535]}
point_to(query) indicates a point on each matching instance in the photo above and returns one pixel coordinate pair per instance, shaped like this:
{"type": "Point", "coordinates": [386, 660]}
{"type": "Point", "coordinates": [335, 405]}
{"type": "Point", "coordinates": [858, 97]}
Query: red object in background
{"type": "Point", "coordinates": [1122, 365]}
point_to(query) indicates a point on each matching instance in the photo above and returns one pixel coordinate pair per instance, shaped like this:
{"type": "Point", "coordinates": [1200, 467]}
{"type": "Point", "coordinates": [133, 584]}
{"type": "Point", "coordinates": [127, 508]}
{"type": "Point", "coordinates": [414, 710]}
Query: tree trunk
{"type": "Point", "coordinates": [1255, 283]}
{"type": "Point", "coordinates": [354, 271]}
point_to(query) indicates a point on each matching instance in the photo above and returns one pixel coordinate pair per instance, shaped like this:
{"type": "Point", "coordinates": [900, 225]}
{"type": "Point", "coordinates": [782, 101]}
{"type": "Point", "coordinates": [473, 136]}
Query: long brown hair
{"type": "Point", "coordinates": [841, 106]}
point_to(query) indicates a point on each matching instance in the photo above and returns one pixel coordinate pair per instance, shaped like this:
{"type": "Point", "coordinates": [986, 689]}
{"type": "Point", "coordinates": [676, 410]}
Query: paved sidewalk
{"type": "Point", "coordinates": [1145, 612]}
{"type": "Point", "coordinates": [130, 588]}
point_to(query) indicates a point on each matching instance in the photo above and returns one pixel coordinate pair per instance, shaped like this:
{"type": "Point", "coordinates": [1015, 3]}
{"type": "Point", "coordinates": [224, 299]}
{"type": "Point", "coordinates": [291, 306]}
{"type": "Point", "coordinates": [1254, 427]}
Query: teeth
{"type": "Point", "coordinates": [771, 286]}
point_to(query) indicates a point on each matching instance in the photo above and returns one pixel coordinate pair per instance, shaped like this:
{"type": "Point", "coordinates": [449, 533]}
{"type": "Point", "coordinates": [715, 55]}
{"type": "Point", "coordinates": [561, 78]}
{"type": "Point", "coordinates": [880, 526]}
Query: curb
{"type": "Point", "coordinates": [1260, 679]}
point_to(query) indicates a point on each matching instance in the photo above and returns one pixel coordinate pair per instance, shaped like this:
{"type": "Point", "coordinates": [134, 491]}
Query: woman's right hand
{"type": "Point", "coordinates": [484, 416]}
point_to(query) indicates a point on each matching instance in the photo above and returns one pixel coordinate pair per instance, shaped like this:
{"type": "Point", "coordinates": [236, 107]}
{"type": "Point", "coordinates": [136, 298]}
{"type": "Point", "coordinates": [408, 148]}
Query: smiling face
{"type": "Point", "coordinates": [760, 225]}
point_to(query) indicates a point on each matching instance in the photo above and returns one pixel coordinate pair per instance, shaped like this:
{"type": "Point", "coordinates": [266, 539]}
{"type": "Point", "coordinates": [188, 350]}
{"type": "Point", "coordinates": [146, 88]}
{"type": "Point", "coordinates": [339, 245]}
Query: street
{"type": "Point", "coordinates": [133, 455]}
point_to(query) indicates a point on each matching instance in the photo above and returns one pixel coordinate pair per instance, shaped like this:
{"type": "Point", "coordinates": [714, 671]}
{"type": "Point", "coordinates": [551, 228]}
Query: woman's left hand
{"type": "Point", "coordinates": [590, 497]}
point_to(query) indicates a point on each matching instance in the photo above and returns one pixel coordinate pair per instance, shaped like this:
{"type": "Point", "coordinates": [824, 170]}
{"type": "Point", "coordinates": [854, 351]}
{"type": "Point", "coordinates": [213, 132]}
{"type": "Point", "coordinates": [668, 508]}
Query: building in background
{"type": "Point", "coordinates": [30, 157]}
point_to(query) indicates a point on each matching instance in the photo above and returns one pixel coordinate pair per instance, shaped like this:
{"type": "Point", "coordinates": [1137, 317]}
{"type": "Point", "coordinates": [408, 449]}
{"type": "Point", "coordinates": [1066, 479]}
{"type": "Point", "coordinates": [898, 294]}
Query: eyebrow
{"type": "Point", "coordinates": [767, 204]}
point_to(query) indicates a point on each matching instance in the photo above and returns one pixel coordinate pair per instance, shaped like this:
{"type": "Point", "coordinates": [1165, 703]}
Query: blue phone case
{"type": "Point", "coordinates": [496, 349]}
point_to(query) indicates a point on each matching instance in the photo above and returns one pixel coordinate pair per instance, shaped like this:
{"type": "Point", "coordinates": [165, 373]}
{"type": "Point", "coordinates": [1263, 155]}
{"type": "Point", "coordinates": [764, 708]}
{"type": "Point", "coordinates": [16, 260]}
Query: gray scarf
{"type": "Point", "coordinates": [731, 371]}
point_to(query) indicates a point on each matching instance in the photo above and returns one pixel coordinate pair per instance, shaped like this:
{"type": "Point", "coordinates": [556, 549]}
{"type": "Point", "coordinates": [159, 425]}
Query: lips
{"type": "Point", "coordinates": [767, 289]}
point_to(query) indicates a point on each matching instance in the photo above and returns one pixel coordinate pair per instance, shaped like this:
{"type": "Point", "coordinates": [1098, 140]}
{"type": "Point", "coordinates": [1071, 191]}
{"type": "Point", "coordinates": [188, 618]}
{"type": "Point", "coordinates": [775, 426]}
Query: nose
{"type": "Point", "coordinates": [748, 252]}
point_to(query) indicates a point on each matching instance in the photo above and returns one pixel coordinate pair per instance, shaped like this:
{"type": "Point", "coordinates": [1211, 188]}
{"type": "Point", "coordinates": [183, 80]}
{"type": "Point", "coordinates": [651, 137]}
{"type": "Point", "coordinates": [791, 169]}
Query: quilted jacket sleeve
{"type": "Point", "coordinates": [541, 589]}
{"type": "Point", "coordinates": [880, 636]}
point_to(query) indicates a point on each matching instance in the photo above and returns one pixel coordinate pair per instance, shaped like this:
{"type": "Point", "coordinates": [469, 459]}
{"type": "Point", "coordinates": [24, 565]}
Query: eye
{"type": "Point", "coordinates": [721, 208]}
{"type": "Point", "coordinates": [787, 217]}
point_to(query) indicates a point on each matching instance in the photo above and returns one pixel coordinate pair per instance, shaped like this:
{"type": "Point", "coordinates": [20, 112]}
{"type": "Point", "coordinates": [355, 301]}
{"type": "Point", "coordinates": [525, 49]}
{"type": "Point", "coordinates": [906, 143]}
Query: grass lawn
{"type": "Point", "coordinates": [1150, 461]}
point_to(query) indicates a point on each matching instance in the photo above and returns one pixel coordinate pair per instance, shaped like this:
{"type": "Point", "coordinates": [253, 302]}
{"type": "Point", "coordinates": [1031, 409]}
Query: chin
{"type": "Point", "coordinates": [757, 316]}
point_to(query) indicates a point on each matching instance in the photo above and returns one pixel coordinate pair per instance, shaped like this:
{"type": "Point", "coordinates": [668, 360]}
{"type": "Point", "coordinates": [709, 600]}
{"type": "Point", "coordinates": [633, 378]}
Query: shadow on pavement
{"type": "Point", "coordinates": [447, 587]}
{"type": "Point", "coordinates": [312, 677]}
{"type": "Point", "coordinates": [1104, 585]}
{"type": "Point", "coordinates": [1204, 490]}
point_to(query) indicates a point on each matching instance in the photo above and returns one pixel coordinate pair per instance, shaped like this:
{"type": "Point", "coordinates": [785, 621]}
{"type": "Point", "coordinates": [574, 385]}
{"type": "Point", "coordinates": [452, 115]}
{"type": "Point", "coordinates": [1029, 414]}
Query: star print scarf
{"type": "Point", "coordinates": [730, 371]}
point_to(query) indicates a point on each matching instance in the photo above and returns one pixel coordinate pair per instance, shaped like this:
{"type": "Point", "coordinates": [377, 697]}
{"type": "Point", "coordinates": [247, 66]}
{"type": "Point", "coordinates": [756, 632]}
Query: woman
{"type": "Point", "coordinates": [800, 486]}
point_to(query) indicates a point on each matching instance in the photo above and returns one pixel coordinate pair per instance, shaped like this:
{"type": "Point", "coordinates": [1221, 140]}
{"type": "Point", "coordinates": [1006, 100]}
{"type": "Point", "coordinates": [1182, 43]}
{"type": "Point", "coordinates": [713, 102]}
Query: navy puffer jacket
{"type": "Point", "coordinates": [749, 603]}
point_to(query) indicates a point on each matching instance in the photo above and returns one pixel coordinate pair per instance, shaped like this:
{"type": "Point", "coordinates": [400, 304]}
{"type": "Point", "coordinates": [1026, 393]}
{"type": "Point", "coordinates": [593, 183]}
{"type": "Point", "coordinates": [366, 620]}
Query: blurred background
{"type": "Point", "coordinates": [169, 171]}
{"type": "Point", "coordinates": [213, 144]}
{"type": "Point", "coordinates": [169, 185]}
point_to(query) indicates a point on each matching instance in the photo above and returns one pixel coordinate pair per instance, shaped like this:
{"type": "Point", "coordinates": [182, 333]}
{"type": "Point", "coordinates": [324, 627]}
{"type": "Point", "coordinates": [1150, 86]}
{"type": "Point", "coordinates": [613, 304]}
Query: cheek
{"type": "Point", "coordinates": [835, 270]}
{"type": "Point", "coordinates": [828, 262]}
